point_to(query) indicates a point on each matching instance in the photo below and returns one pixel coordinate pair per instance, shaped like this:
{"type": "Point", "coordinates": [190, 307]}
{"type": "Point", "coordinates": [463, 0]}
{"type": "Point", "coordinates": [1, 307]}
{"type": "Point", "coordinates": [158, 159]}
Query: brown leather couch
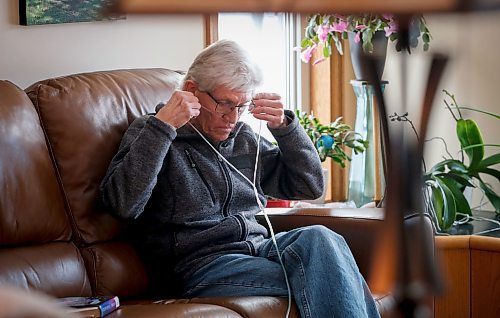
{"type": "Point", "coordinates": [56, 140]}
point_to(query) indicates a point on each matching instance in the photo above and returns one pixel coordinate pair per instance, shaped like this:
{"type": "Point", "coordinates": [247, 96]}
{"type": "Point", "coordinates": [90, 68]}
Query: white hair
{"type": "Point", "coordinates": [224, 63]}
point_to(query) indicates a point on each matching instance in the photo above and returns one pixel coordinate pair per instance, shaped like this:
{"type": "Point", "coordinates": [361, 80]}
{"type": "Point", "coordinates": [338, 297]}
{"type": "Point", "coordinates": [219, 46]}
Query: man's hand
{"type": "Point", "coordinates": [268, 107]}
{"type": "Point", "coordinates": [181, 107]}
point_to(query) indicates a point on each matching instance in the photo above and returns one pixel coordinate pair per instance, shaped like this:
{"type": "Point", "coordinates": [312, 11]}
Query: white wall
{"type": "Point", "coordinates": [472, 74]}
{"type": "Point", "coordinates": [32, 53]}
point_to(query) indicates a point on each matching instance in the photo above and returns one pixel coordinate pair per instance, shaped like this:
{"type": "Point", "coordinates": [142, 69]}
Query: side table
{"type": "Point", "coordinates": [471, 265]}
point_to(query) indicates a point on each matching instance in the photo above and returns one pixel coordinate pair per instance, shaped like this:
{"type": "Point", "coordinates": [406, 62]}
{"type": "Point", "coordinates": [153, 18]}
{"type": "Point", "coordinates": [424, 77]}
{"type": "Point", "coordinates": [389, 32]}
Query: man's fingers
{"type": "Point", "coordinates": [266, 117]}
{"type": "Point", "coordinates": [268, 110]}
{"type": "Point", "coordinates": [272, 96]}
{"type": "Point", "coordinates": [272, 121]}
{"type": "Point", "coordinates": [268, 102]}
{"type": "Point", "coordinates": [195, 112]}
{"type": "Point", "coordinates": [181, 107]}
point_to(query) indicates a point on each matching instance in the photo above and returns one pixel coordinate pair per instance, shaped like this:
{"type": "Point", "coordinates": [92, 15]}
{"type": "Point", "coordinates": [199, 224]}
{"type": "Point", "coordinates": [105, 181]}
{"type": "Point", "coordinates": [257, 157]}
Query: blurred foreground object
{"type": "Point", "coordinates": [19, 303]}
{"type": "Point", "coordinates": [302, 6]}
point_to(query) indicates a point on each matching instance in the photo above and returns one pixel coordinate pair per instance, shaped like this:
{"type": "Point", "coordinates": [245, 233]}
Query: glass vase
{"type": "Point", "coordinates": [366, 178]}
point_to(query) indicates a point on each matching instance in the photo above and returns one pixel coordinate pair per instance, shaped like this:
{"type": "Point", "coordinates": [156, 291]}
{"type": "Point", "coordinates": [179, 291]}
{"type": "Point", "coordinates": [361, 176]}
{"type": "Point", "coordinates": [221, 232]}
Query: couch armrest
{"type": "Point", "coordinates": [359, 227]}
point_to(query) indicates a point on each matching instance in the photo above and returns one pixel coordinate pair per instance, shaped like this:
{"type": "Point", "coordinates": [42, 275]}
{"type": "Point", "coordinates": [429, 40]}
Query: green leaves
{"type": "Point", "coordinates": [449, 205]}
{"type": "Point", "coordinates": [447, 200]}
{"type": "Point", "coordinates": [472, 144]}
{"type": "Point", "coordinates": [490, 161]}
{"type": "Point", "coordinates": [331, 139]}
{"type": "Point", "coordinates": [367, 40]}
{"type": "Point", "coordinates": [491, 195]}
{"type": "Point", "coordinates": [338, 43]}
{"type": "Point", "coordinates": [468, 134]}
{"type": "Point", "coordinates": [448, 178]}
{"type": "Point", "coordinates": [452, 165]}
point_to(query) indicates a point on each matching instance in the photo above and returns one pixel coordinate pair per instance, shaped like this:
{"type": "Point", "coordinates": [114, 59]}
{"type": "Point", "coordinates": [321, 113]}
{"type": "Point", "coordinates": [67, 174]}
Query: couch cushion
{"type": "Point", "coordinates": [174, 310]}
{"type": "Point", "coordinates": [84, 117]}
{"type": "Point", "coordinates": [115, 269]}
{"type": "Point", "coordinates": [32, 208]}
{"type": "Point", "coordinates": [253, 306]}
{"type": "Point", "coordinates": [248, 306]}
{"type": "Point", "coordinates": [31, 204]}
{"type": "Point", "coordinates": [54, 268]}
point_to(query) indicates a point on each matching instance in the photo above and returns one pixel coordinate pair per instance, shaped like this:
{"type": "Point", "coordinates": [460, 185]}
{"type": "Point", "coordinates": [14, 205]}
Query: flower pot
{"type": "Point", "coordinates": [359, 65]}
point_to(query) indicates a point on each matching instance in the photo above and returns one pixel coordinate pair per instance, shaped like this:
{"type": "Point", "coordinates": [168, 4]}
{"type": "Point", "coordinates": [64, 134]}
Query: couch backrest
{"type": "Point", "coordinates": [35, 247]}
{"type": "Point", "coordinates": [84, 117]}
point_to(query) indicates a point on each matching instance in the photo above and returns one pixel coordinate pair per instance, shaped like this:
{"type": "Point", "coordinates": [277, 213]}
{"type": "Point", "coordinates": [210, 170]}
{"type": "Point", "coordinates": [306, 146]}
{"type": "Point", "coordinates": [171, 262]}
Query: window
{"type": "Point", "coordinates": [323, 89]}
{"type": "Point", "coordinates": [270, 39]}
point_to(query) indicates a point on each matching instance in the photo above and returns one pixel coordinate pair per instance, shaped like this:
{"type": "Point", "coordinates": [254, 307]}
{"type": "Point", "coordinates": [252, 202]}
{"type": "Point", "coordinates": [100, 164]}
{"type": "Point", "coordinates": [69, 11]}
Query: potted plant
{"type": "Point", "coordinates": [324, 29]}
{"type": "Point", "coordinates": [330, 139]}
{"type": "Point", "coordinates": [445, 182]}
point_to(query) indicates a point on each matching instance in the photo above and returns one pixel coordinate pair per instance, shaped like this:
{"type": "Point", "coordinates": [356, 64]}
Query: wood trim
{"type": "Point", "coordinates": [453, 242]}
{"type": "Point", "coordinates": [485, 243]}
{"type": "Point", "coordinates": [327, 103]}
{"type": "Point", "coordinates": [210, 28]}
{"type": "Point", "coordinates": [320, 107]}
{"type": "Point", "coordinates": [339, 175]}
{"type": "Point", "coordinates": [343, 6]}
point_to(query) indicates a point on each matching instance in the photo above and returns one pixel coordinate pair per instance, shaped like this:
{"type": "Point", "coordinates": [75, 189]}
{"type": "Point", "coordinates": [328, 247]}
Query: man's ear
{"type": "Point", "coordinates": [190, 86]}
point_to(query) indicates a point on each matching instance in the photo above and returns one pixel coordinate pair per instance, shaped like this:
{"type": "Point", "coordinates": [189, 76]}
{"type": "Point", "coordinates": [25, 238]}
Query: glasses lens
{"type": "Point", "coordinates": [242, 109]}
{"type": "Point", "coordinates": [227, 108]}
{"type": "Point", "coordinates": [224, 108]}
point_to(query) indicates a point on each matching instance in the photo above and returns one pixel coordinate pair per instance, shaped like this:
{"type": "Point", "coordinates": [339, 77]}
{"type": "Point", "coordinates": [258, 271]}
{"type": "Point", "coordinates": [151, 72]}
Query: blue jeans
{"type": "Point", "coordinates": [323, 275]}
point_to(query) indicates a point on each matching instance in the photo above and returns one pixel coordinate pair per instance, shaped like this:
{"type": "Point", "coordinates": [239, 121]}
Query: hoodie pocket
{"type": "Point", "coordinates": [193, 165]}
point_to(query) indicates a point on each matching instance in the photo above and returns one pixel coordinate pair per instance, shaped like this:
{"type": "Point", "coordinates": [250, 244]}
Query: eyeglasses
{"type": "Point", "coordinates": [225, 107]}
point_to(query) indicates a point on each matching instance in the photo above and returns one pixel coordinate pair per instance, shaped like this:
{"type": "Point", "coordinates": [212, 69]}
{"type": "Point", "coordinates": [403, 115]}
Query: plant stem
{"type": "Point", "coordinates": [445, 145]}
{"type": "Point", "coordinates": [404, 118]}
{"type": "Point", "coordinates": [454, 101]}
{"type": "Point", "coordinates": [477, 110]}
{"type": "Point", "coordinates": [479, 145]}
{"type": "Point", "coordinates": [452, 114]}
{"type": "Point", "coordinates": [449, 108]}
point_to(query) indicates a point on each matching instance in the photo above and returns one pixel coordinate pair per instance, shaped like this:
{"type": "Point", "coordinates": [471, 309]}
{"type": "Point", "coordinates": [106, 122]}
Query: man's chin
{"type": "Point", "coordinates": [219, 136]}
{"type": "Point", "coordinates": [222, 134]}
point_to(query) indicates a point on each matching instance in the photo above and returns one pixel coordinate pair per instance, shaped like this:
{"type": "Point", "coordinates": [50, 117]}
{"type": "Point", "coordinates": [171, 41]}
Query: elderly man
{"type": "Point", "coordinates": [193, 177]}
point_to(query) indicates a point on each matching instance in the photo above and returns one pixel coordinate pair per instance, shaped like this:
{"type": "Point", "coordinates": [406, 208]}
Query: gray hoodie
{"type": "Point", "coordinates": [189, 205]}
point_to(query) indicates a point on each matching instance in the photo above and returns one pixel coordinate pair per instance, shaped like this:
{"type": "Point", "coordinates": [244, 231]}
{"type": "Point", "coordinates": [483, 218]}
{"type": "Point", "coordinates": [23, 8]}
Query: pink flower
{"type": "Point", "coordinates": [388, 16]}
{"type": "Point", "coordinates": [322, 31]}
{"type": "Point", "coordinates": [307, 53]}
{"type": "Point", "coordinates": [357, 38]}
{"type": "Point", "coordinates": [321, 59]}
{"type": "Point", "coordinates": [340, 26]}
{"type": "Point", "coordinates": [360, 27]}
{"type": "Point", "coordinates": [391, 28]}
